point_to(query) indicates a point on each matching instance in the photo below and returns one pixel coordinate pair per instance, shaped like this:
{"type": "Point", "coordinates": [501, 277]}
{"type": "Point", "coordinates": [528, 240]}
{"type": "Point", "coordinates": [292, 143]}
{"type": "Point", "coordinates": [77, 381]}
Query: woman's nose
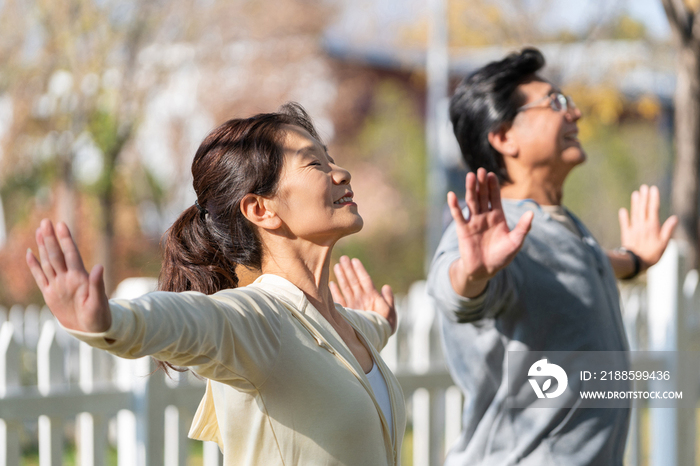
{"type": "Point", "coordinates": [340, 175]}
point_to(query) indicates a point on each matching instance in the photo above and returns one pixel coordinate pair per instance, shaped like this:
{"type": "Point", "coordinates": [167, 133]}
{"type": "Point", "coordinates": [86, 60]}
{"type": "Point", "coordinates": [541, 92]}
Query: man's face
{"type": "Point", "coordinates": [546, 132]}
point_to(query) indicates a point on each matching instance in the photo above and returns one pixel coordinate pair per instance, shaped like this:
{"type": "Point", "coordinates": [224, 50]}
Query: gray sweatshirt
{"type": "Point", "coordinates": [558, 294]}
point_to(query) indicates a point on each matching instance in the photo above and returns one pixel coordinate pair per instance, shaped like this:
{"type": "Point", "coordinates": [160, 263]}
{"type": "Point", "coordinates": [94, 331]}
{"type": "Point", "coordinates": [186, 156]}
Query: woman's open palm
{"type": "Point", "coordinates": [77, 299]}
{"type": "Point", "coordinates": [356, 290]}
{"type": "Point", "coordinates": [486, 244]}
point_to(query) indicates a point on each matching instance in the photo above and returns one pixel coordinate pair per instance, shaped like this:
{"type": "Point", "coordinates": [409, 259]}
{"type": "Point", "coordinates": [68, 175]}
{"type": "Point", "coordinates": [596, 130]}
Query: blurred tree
{"type": "Point", "coordinates": [684, 18]}
{"type": "Point", "coordinates": [386, 157]}
{"type": "Point", "coordinates": [79, 75]}
{"type": "Point", "coordinates": [110, 100]}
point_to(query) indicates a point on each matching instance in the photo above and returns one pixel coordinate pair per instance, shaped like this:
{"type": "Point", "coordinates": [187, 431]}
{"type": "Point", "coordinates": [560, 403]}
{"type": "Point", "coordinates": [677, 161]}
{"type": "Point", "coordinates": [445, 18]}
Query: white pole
{"type": "Point", "coordinates": [437, 71]}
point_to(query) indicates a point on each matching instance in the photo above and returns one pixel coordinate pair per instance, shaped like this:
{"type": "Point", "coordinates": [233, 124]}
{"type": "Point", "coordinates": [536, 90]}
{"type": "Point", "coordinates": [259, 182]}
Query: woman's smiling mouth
{"type": "Point", "coordinates": [347, 199]}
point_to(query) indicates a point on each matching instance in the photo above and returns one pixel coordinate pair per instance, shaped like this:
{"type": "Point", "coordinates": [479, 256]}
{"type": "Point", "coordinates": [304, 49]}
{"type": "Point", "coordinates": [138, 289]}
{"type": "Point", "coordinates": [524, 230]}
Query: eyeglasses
{"type": "Point", "coordinates": [557, 102]}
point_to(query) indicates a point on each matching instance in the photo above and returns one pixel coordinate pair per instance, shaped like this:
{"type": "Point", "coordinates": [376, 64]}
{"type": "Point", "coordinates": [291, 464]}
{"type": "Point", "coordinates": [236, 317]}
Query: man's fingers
{"type": "Point", "coordinates": [337, 295]}
{"type": "Point", "coordinates": [53, 249]}
{"type": "Point", "coordinates": [70, 249]}
{"type": "Point", "coordinates": [667, 228]}
{"type": "Point", "coordinates": [653, 207]}
{"type": "Point", "coordinates": [644, 201]}
{"type": "Point", "coordinates": [517, 235]}
{"type": "Point", "coordinates": [623, 215]}
{"type": "Point", "coordinates": [483, 190]}
{"type": "Point", "coordinates": [36, 270]}
{"type": "Point", "coordinates": [635, 208]}
{"type": "Point", "coordinates": [455, 210]}
{"type": "Point", "coordinates": [471, 195]}
{"type": "Point", "coordinates": [494, 191]}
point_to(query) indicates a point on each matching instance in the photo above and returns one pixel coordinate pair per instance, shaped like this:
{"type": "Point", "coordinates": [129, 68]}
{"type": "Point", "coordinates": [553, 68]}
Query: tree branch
{"type": "Point", "coordinates": [680, 18]}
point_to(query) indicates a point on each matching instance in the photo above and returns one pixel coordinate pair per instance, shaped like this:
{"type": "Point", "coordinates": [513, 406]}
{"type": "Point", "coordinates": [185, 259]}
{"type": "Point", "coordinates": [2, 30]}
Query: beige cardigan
{"type": "Point", "coordinates": [283, 388]}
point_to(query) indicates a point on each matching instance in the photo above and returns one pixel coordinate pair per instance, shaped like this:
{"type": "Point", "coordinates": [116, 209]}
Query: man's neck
{"type": "Point", "coordinates": [541, 192]}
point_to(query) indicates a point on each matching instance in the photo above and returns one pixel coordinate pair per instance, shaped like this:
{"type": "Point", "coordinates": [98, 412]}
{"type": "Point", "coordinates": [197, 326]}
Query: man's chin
{"type": "Point", "coordinates": [575, 155]}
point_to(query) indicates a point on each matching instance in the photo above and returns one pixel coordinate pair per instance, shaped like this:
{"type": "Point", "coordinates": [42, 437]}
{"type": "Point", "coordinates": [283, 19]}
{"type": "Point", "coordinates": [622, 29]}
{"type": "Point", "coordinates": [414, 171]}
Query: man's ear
{"type": "Point", "coordinates": [257, 210]}
{"type": "Point", "coordinates": [503, 140]}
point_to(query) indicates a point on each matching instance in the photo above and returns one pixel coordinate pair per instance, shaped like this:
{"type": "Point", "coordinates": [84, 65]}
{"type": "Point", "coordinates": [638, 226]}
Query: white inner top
{"type": "Point", "coordinates": [381, 393]}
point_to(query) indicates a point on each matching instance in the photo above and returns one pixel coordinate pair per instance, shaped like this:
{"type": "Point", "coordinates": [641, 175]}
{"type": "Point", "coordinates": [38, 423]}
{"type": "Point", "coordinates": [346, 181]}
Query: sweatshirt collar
{"type": "Point", "coordinates": [284, 290]}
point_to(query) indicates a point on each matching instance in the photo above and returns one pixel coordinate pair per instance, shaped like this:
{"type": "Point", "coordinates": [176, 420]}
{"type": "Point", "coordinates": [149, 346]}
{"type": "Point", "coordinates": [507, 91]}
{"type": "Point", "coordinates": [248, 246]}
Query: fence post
{"type": "Point", "coordinates": [211, 454]}
{"type": "Point", "coordinates": [91, 437]}
{"type": "Point", "coordinates": [9, 381]}
{"type": "Point", "coordinates": [671, 444]}
{"type": "Point", "coordinates": [50, 376]}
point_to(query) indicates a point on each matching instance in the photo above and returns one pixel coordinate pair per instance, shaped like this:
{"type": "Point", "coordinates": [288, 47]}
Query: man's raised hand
{"type": "Point", "coordinates": [486, 244]}
{"type": "Point", "coordinates": [641, 230]}
{"type": "Point", "coordinates": [77, 299]}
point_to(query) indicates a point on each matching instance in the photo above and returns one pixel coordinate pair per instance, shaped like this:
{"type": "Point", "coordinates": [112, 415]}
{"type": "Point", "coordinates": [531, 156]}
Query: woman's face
{"type": "Point", "coordinates": [314, 198]}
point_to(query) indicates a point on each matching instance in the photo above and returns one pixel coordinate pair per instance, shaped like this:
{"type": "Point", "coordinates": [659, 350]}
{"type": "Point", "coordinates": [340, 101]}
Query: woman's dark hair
{"type": "Point", "coordinates": [202, 249]}
{"type": "Point", "coordinates": [486, 100]}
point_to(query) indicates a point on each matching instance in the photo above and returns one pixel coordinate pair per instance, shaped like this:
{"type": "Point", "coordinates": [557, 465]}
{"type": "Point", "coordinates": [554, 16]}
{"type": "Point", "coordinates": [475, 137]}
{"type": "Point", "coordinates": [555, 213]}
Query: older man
{"type": "Point", "coordinates": [516, 270]}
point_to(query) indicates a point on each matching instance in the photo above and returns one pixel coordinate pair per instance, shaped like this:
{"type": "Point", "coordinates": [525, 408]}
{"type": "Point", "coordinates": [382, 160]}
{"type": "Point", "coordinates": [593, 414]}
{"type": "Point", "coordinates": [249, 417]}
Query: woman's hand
{"type": "Point", "coordinates": [76, 299]}
{"type": "Point", "coordinates": [486, 244]}
{"type": "Point", "coordinates": [356, 290]}
{"type": "Point", "coordinates": [641, 230]}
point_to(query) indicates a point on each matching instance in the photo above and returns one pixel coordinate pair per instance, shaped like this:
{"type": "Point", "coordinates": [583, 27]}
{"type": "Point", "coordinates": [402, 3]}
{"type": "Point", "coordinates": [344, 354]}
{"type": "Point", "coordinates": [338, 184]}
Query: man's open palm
{"type": "Point", "coordinates": [486, 244]}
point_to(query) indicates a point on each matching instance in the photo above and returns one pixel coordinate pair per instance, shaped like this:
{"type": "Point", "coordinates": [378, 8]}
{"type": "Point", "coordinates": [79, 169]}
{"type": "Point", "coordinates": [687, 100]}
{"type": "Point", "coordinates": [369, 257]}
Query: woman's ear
{"type": "Point", "coordinates": [257, 210]}
{"type": "Point", "coordinates": [504, 141]}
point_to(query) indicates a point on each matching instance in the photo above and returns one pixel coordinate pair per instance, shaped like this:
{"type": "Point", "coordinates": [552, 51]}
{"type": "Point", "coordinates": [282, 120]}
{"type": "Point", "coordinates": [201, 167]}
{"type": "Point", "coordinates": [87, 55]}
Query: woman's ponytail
{"type": "Point", "coordinates": [192, 260]}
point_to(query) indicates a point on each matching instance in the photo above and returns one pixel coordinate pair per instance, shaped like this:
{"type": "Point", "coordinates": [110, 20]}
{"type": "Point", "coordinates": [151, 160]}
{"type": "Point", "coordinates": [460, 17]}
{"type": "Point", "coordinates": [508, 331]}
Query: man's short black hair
{"type": "Point", "coordinates": [487, 99]}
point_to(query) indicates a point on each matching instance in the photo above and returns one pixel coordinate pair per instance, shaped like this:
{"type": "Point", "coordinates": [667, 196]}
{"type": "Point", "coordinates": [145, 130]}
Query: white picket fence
{"type": "Point", "coordinates": [54, 389]}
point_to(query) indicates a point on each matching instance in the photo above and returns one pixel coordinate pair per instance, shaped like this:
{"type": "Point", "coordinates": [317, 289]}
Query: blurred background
{"type": "Point", "coordinates": [103, 104]}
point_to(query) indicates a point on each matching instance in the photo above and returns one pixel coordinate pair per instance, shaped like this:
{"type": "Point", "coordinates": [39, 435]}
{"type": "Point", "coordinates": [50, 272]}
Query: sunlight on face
{"type": "Point", "coordinates": [314, 199]}
{"type": "Point", "coordinates": [547, 136]}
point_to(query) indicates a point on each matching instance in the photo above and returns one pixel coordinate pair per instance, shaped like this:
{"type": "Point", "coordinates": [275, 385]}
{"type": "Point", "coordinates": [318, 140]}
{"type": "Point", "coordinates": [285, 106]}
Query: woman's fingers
{"type": "Point", "coordinates": [46, 267]}
{"type": "Point", "coordinates": [343, 283]}
{"type": "Point", "coordinates": [36, 270]}
{"type": "Point", "coordinates": [53, 248]}
{"type": "Point", "coordinates": [73, 260]}
{"type": "Point", "coordinates": [362, 276]}
{"type": "Point", "coordinates": [351, 276]}
{"type": "Point", "coordinates": [388, 295]}
{"type": "Point", "coordinates": [337, 295]}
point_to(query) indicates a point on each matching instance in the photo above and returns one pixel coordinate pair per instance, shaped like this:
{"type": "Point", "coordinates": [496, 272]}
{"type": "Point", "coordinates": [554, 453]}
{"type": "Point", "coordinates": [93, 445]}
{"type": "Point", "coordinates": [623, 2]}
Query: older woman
{"type": "Point", "coordinates": [292, 377]}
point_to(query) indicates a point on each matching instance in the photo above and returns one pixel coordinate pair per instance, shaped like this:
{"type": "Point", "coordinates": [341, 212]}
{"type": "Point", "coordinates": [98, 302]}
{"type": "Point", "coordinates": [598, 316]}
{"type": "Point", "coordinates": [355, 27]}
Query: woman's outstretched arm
{"type": "Point", "coordinates": [77, 299]}
{"type": "Point", "coordinates": [230, 337]}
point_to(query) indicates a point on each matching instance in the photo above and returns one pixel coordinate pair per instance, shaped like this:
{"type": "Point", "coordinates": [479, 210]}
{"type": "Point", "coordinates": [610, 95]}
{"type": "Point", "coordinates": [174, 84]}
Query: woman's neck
{"type": "Point", "coordinates": [307, 267]}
